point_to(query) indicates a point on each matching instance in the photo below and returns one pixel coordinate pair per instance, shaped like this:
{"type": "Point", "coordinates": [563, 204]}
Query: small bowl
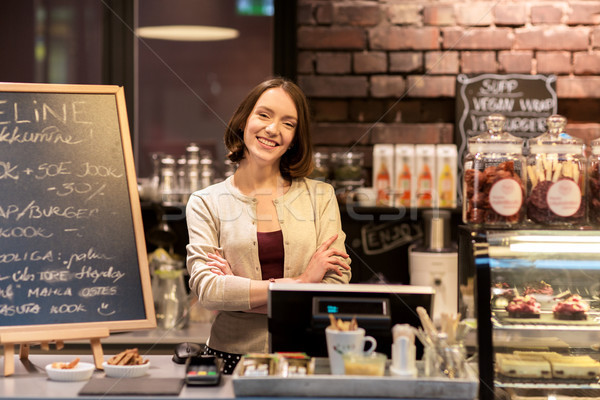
{"type": "Point", "coordinates": [371, 364]}
{"type": "Point", "coordinates": [125, 371]}
{"type": "Point", "coordinates": [81, 372]}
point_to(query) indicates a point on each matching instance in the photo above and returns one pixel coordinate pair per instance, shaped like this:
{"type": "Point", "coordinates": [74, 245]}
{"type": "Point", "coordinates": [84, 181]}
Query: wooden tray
{"type": "Point", "coordinates": [322, 384]}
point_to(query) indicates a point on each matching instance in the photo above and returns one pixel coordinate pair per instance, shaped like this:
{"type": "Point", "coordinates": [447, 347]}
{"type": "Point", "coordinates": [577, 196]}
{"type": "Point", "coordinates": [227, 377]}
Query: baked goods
{"type": "Point", "coordinates": [540, 287]}
{"type": "Point", "coordinates": [516, 366]}
{"type": "Point", "coordinates": [62, 365]}
{"type": "Point", "coordinates": [571, 308]}
{"type": "Point", "coordinates": [546, 365]}
{"type": "Point", "coordinates": [523, 307]}
{"type": "Point", "coordinates": [479, 184]}
{"type": "Point", "coordinates": [127, 357]}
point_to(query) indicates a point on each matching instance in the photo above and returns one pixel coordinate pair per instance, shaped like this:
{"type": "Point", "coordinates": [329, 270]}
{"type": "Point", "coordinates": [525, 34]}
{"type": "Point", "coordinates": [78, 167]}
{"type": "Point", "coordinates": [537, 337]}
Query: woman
{"type": "Point", "coordinates": [266, 223]}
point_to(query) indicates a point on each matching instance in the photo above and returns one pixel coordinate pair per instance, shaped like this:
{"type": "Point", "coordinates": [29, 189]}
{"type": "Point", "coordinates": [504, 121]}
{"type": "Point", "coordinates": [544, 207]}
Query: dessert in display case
{"type": "Point", "coordinates": [537, 301]}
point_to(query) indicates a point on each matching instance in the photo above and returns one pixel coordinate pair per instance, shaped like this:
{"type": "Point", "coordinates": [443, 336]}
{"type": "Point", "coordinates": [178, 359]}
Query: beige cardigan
{"type": "Point", "coordinates": [221, 217]}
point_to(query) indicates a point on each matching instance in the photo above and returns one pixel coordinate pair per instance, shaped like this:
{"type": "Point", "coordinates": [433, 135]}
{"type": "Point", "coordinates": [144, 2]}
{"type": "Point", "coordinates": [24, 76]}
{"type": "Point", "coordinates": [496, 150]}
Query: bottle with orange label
{"type": "Point", "coordinates": [383, 162]}
{"type": "Point", "coordinates": [404, 162]}
{"type": "Point", "coordinates": [425, 191]}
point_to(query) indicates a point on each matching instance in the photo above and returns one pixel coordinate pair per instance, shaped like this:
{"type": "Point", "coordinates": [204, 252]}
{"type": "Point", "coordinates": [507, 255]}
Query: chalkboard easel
{"type": "Point", "coordinates": [73, 262]}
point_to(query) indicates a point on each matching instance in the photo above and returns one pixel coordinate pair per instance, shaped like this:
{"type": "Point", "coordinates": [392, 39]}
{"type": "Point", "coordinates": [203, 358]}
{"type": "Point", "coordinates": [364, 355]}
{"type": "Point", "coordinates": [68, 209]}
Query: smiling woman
{"type": "Point", "coordinates": [266, 223]}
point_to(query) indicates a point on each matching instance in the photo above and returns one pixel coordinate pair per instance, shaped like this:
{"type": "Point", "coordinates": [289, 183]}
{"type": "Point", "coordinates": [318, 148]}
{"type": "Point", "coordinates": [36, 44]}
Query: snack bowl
{"type": "Point", "coordinates": [125, 371]}
{"type": "Point", "coordinates": [80, 372]}
{"type": "Point", "coordinates": [372, 364]}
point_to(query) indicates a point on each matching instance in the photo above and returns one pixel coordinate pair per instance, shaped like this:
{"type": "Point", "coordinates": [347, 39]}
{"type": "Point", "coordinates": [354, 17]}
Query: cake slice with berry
{"type": "Point", "coordinates": [523, 307]}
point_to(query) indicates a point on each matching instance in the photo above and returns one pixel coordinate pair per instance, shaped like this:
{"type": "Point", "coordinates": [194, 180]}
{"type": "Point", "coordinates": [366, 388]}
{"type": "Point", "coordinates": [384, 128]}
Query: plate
{"type": "Point", "coordinates": [125, 371]}
{"type": "Point", "coordinates": [81, 372]}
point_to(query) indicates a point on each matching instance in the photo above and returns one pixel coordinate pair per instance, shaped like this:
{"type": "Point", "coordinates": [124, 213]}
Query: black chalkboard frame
{"type": "Point", "coordinates": [149, 320]}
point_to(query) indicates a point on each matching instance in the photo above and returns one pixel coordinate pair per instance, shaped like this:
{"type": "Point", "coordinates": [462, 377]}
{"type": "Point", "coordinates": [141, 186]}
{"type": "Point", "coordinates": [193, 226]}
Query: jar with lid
{"type": "Point", "coordinates": [348, 169]}
{"type": "Point", "coordinates": [594, 183]}
{"type": "Point", "coordinates": [556, 175]}
{"type": "Point", "coordinates": [493, 178]}
{"type": "Point", "coordinates": [168, 181]}
{"type": "Point", "coordinates": [321, 170]}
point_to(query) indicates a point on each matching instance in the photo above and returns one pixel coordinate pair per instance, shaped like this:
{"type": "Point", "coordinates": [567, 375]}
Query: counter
{"type": "Point", "coordinates": [30, 382]}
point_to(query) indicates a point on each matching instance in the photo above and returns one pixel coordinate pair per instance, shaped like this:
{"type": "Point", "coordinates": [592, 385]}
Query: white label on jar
{"type": "Point", "coordinates": [506, 197]}
{"type": "Point", "coordinates": [564, 198]}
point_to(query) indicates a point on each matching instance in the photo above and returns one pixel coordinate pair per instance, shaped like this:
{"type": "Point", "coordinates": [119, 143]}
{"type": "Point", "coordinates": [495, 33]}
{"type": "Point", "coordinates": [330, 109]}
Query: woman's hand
{"type": "Point", "coordinates": [324, 259]}
{"type": "Point", "coordinates": [219, 264]}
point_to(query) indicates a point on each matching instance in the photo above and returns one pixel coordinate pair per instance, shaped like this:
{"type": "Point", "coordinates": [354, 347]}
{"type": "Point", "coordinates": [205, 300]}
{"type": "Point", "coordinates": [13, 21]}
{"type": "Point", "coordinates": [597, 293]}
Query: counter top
{"type": "Point", "coordinates": [31, 382]}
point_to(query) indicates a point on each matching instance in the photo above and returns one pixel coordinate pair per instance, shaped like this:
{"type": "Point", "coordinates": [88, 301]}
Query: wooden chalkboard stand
{"type": "Point", "coordinates": [25, 339]}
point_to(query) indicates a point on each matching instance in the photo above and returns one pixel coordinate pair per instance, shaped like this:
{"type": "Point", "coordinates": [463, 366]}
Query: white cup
{"type": "Point", "coordinates": [341, 342]}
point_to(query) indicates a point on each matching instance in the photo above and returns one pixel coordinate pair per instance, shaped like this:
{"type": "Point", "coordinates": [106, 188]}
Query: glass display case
{"type": "Point", "coordinates": [537, 304]}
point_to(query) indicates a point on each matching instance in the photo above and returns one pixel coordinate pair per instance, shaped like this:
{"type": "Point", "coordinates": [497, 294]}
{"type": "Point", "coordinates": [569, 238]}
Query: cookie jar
{"type": "Point", "coordinates": [594, 184]}
{"type": "Point", "coordinates": [493, 178]}
{"type": "Point", "coordinates": [556, 176]}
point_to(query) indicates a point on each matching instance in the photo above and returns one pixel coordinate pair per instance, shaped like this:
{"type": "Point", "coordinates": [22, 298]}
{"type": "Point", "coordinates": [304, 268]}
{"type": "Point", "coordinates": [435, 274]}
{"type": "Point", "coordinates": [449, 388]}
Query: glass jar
{"type": "Point", "coordinates": [348, 169]}
{"type": "Point", "coordinates": [321, 170]}
{"type": "Point", "coordinates": [594, 184]}
{"type": "Point", "coordinates": [494, 176]}
{"type": "Point", "coordinates": [168, 189]}
{"type": "Point", "coordinates": [556, 175]}
{"type": "Point", "coordinates": [170, 296]}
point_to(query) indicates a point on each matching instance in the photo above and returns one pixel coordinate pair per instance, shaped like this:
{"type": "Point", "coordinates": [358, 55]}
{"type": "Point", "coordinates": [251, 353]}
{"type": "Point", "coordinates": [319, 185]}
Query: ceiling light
{"type": "Point", "coordinates": [187, 33]}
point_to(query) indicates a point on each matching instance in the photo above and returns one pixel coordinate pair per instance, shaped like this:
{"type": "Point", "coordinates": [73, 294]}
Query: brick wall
{"type": "Point", "coordinates": [384, 70]}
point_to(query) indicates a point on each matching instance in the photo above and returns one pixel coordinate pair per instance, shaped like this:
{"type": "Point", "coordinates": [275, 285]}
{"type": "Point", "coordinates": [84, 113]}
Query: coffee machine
{"type": "Point", "coordinates": [434, 262]}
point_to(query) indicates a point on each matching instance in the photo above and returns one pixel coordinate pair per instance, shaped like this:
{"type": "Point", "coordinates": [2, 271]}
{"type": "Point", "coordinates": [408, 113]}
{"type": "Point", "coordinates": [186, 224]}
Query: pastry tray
{"type": "Point", "coordinates": [323, 384]}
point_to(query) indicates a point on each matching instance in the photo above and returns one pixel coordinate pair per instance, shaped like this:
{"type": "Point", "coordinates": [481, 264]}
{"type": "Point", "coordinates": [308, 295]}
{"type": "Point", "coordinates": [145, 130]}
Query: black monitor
{"type": "Point", "coordinates": [299, 313]}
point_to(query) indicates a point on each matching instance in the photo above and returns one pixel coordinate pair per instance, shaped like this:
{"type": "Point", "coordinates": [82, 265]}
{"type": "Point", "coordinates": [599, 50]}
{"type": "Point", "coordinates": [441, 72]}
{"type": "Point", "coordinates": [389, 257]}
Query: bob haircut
{"type": "Point", "coordinates": [297, 162]}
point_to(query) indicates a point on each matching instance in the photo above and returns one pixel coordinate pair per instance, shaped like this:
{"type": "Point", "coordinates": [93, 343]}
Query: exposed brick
{"type": "Point", "coordinates": [405, 14]}
{"type": "Point", "coordinates": [578, 87]}
{"type": "Point", "coordinates": [546, 14]}
{"type": "Point", "coordinates": [305, 63]}
{"type": "Point", "coordinates": [404, 38]}
{"type": "Point", "coordinates": [333, 86]}
{"type": "Point", "coordinates": [431, 86]}
{"type": "Point", "coordinates": [553, 62]}
{"type": "Point", "coordinates": [357, 14]}
{"type": "Point", "coordinates": [585, 63]}
{"type": "Point", "coordinates": [477, 38]}
{"type": "Point", "coordinates": [333, 63]}
{"type": "Point", "coordinates": [584, 12]}
{"type": "Point", "coordinates": [431, 133]}
{"type": "Point", "coordinates": [370, 110]}
{"type": "Point", "coordinates": [596, 38]}
{"type": "Point", "coordinates": [439, 15]}
{"type": "Point", "coordinates": [472, 62]}
{"type": "Point", "coordinates": [402, 110]}
{"type": "Point", "coordinates": [370, 62]}
{"type": "Point", "coordinates": [556, 38]}
{"type": "Point", "coordinates": [475, 13]}
{"type": "Point", "coordinates": [331, 38]}
{"type": "Point", "coordinates": [406, 61]}
{"type": "Point", "coordinates": [441, 62]}
{"type": "Point", "coordinates": [387, 86]}
{"type": "Point", "coordinates": [329, 110]}
{"type": "Point", "coordinates": [517, 62]}
{"type": "Point", "coordinates": [305, 14]}
{"type": "Point", "coordinates": [324, 13]}
{"type": "Point", "coordinates": [510, 14]}
{"type": "Point", "coordinates": [348, 134]}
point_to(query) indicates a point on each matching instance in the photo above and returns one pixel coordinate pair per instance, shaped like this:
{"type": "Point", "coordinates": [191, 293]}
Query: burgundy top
{"type": "Point", "coordinates": [271, 254]}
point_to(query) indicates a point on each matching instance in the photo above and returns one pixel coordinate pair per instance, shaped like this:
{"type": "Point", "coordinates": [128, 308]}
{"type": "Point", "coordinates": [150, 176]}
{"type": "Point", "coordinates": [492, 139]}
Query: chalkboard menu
{"type": "Point", "coordinates": [525, 100]}
{"type": "Point", "coordinates": [72, 246]}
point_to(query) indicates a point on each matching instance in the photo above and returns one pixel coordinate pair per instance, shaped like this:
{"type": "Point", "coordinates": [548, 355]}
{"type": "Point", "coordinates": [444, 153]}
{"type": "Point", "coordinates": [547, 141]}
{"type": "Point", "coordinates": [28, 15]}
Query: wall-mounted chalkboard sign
{"type": "Point", "coordinates": [525, 100]}
{"type": "Point", "coordinates": [72, 250]}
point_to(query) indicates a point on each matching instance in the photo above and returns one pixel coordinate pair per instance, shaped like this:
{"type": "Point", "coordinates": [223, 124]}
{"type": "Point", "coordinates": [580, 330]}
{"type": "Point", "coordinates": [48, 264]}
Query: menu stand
{"type": "Point", "coordinates": [25, 339]}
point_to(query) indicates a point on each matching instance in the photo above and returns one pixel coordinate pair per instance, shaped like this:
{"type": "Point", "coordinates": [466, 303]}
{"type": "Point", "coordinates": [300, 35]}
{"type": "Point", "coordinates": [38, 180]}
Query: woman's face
{"type": "Point", "coordinates": [271, 127]}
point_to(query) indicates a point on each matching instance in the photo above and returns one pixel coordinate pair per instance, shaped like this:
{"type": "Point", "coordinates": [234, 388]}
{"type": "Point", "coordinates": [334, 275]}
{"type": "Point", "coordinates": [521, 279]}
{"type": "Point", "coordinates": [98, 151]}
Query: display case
{"type": "Point", "coordinates": [537, 305]}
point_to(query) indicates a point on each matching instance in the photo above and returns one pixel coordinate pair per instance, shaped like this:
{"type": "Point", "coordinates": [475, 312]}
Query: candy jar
{"type": "Point", "coordinates": [594, 184]}
{"type": "Point", "coordinates": [494, 176]}
{"type": "Point", "coordinates": [556, 176]}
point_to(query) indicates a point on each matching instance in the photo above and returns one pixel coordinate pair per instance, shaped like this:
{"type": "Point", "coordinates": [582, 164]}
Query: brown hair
{"type": "Point", "coordinates": [297, 162]}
